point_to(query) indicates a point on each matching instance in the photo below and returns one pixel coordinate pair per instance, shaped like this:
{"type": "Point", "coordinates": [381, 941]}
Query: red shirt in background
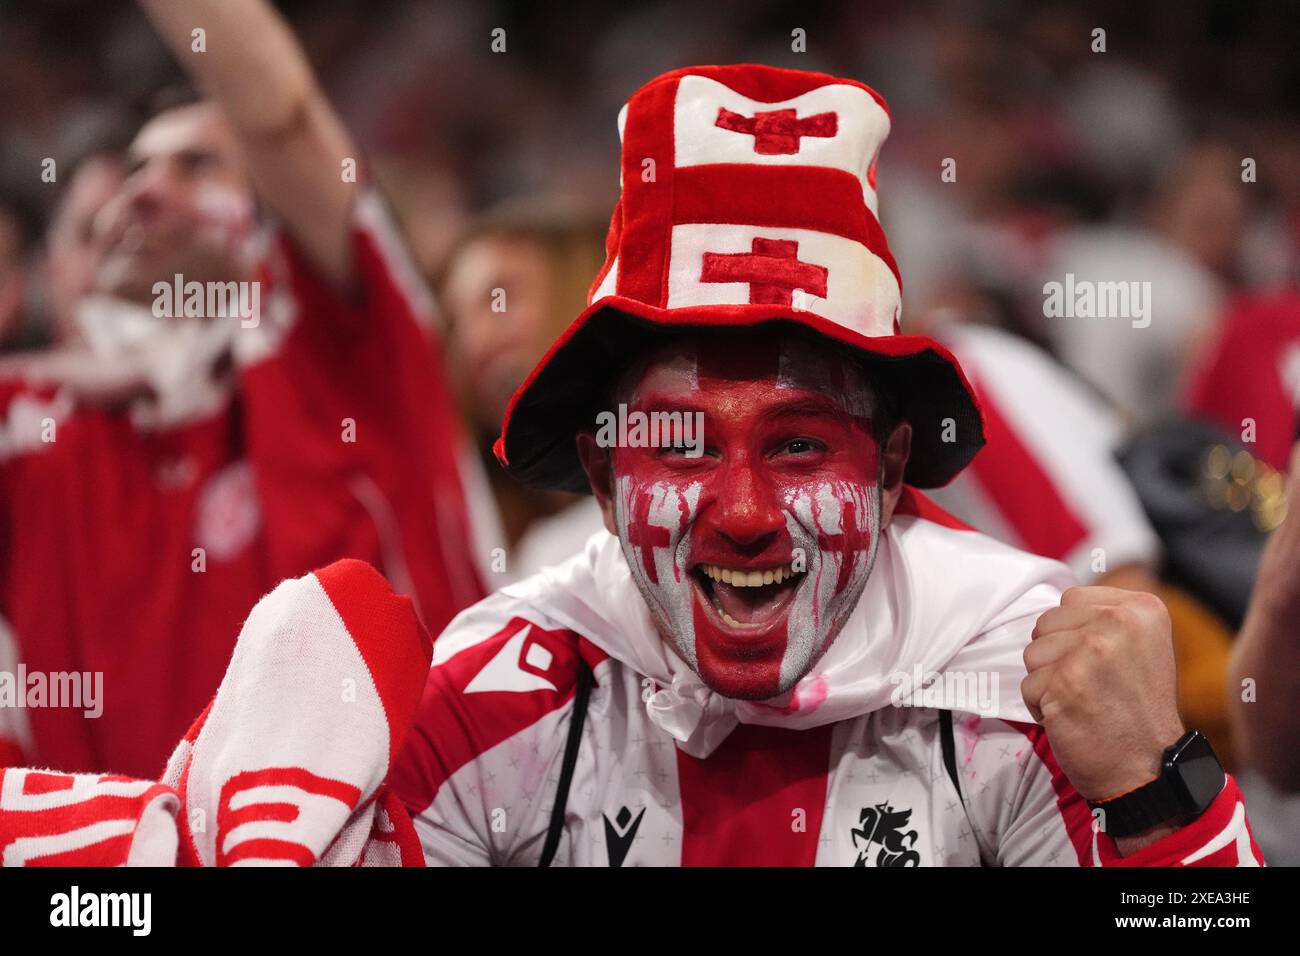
{"type": "Point", "coordinates": [1252, 371]}
{"type": "Point", "coordinates": [98, 528]}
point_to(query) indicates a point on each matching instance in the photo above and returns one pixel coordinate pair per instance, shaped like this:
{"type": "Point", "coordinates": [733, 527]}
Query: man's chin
{"type": "Point", "coordinates": [741, 661]}
{"type": "Point", "coordinates": [765, 669]}
{"type": "Point", "coordinates": [124, 278]}
{"type": "Point", "coordinates": [731, 668]}
{"type": "Point", "coordinates": [744, 683]}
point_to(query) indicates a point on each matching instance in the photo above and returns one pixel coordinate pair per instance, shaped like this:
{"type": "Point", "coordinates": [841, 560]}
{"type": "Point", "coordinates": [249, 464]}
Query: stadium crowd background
{"type": "Point", "coordinates": [1171, 156]}
{"type": "Point", "coordinates": [1147, 135]}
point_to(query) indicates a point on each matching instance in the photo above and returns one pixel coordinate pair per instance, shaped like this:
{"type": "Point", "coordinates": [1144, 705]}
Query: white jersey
{"type": "Point", "coordinates": [859, 765]}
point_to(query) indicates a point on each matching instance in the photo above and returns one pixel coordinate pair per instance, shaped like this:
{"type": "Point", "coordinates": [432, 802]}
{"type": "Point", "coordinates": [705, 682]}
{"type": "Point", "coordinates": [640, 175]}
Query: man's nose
{"type": "Point", "coordinates": [145, 191]}
{"type": "Point", "coordinates": [746, 511]}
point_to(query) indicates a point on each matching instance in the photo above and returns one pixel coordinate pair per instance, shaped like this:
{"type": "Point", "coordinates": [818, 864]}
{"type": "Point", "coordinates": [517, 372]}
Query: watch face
{"type": "Point", "coordinates": [1198, 772]}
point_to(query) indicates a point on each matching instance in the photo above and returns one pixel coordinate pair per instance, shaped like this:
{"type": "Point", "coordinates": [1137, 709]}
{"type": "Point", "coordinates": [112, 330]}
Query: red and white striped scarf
{"type": "Point", "coordinates": [286, 765]}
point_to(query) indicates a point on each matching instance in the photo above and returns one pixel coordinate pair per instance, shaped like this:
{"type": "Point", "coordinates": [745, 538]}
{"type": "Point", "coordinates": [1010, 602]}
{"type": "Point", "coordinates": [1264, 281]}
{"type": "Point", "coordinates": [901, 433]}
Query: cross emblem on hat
{"type": "Point", "coordinates": [777, 132]}
{"type": "Point", "coordinates": [772, 269]}
{"type": "Point", "coordinates": [765, 186]}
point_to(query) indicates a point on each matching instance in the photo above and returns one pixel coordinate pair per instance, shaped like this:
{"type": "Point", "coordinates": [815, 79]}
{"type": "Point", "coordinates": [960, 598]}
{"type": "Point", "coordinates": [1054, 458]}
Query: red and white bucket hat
{"type": "Point", "coordinates": [748, 198]}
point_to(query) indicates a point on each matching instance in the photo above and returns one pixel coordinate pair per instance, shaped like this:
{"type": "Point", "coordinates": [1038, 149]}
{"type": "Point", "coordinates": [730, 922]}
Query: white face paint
{"type": "Point", "coordinates": [676, 373]}
{"type": "Point", "coordinates": [836, 575]}
{"type": "Point", "coordinates": [834, 526]}
{"type": "Point", "coordinates": [227, 219]}
{"type": "Point", "coordinates": [652, 522]}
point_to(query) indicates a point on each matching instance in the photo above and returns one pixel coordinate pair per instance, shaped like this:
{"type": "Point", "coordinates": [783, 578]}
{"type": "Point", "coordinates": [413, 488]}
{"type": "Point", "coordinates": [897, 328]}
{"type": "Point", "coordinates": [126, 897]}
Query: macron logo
{"type": "Point", "coordinates": [518, 667]}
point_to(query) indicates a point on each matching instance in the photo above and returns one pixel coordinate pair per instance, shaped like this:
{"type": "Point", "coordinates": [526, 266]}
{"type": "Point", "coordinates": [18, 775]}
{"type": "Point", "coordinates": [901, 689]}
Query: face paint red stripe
{"type": "Point", "coordinates": [755, 358]}
{"type": "Point", "coordinates": [744, 664]}
{"type": "Point", "coordinates": [754, 504]}
{"type": "Point", "coordinates": [739, 807]}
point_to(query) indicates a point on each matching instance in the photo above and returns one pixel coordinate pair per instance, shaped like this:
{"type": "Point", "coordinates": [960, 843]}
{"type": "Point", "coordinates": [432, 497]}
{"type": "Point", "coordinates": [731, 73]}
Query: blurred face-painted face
{"type": "Point", "coordinates": [753, 554]}
{"type": "Point", "coordinates": [184, 207]}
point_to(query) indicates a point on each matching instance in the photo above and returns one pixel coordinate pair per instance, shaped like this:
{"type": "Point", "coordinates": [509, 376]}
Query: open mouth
{"type": "Point", "coordinates": [747, 597]}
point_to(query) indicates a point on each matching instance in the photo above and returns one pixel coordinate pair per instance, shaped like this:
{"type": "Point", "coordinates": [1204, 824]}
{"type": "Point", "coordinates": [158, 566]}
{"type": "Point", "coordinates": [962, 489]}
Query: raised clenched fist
{"type": "Point", "coordinates": [1102, 682]}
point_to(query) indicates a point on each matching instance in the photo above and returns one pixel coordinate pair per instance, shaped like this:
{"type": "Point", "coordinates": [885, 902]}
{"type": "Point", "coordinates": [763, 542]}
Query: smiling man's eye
{"type": "Point", "coordinates": [679, 449]}
{"type": "Point", "coordinates": [801, 446]}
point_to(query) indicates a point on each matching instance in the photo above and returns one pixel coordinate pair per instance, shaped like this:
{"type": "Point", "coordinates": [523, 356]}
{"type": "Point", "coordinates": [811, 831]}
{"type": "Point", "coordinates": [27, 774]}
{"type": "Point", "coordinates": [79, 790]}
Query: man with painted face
{"type": "Point", "coordinates": [772, 520]}
{"type": "Point", "coordinates": [779, 651]}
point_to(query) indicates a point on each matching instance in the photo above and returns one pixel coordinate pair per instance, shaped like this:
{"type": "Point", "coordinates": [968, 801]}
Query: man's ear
{"type": "Point", "coordinates": [893, 462]}
{"type": "Point", "coordinates": [598, 463]}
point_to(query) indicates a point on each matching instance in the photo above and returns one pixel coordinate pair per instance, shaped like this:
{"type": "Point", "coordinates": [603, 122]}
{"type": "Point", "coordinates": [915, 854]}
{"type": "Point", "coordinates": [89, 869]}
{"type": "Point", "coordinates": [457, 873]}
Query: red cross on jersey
{"type": "Point", "coordinates": [772, 269]}
{"type": "Point", "coordinates": [777, 132]}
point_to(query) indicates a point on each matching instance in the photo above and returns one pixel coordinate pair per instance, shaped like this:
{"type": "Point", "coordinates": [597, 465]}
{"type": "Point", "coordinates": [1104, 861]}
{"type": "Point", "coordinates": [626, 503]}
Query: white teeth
{"type": "Point", "coordinates": [748, 579]}
{"type": "Point", "coordinates": [740, 578]}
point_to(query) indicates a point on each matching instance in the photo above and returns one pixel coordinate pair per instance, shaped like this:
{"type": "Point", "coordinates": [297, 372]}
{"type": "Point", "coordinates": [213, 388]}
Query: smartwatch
{"type": "Point", "coordinates": [1190, 778]}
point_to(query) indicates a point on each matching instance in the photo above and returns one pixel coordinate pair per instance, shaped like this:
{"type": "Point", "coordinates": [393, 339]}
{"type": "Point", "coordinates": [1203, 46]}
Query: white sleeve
{"type": "Point", "coordinates": [1026, 812]}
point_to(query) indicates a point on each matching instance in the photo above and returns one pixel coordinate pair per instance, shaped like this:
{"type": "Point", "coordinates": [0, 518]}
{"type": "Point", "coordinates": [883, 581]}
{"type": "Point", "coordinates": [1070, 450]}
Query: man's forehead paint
{"type": "Point", "coordinates": [790, 363]}
{"type": "Point", "coordinates": [669, 371]}
{"type": "Point", "coordinates": [803, 367]}
{"type": "Point", "coordinates": [749, 359]}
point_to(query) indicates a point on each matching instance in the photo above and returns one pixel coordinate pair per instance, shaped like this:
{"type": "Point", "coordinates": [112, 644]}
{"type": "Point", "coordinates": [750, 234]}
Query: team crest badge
{"type": "Point", "coordinates": [882, 831]}
{"type": "Point", "coordinates": [229, 513]}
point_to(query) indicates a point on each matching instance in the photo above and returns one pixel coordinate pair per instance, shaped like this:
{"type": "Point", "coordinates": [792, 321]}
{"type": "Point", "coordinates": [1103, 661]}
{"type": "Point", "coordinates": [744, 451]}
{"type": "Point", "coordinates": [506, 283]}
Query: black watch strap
{"type": "Point", "coordinates": [1140, 809]}
{"type": "Point", "coordinates": [1190, 778]}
